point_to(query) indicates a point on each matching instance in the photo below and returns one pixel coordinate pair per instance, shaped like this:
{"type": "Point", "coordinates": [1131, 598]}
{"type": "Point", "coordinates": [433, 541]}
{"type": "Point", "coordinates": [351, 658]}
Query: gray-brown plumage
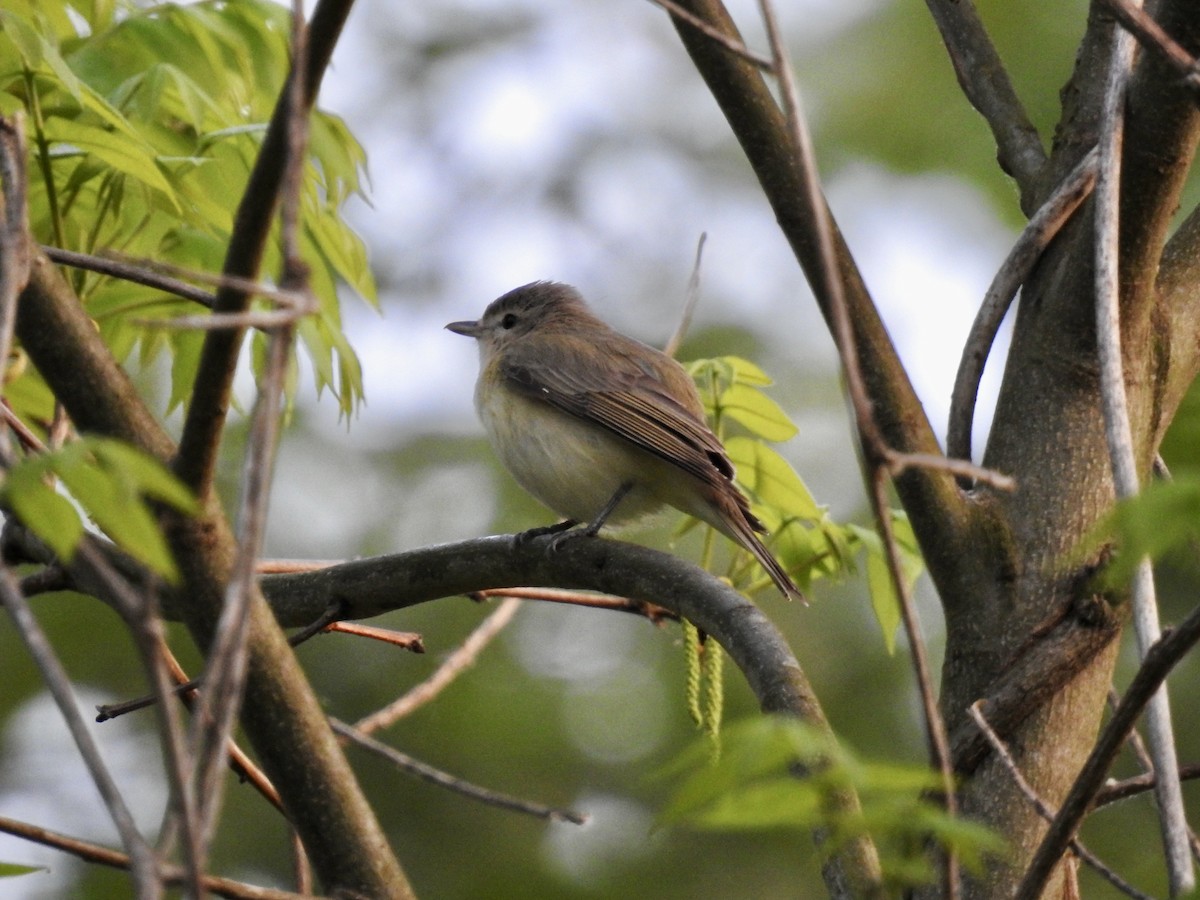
{"type": "Point", "coordinates": [578, 411]}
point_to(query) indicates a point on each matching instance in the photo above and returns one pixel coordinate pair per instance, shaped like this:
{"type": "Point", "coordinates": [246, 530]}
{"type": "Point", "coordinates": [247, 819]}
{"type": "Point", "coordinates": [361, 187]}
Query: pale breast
{"type": "Point", "coordinates": [569, 465]}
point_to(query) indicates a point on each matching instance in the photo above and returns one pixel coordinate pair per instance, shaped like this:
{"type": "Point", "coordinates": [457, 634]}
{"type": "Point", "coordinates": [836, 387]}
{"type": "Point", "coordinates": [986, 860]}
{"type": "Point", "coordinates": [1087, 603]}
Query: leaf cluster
{"type": "Point", "coordinates": [777, 772]}
{"type": "Point", "coordinates": [804, 537]}
{"type": "Point", "coordinates": [114, 484]}
{"type": "Point", "coordinates": [143, 125]}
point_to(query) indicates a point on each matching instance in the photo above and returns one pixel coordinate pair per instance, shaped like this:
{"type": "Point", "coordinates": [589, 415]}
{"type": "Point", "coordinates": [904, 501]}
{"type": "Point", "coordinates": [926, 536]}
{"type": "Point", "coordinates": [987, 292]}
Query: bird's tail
{"type": "Point", "coordinates": [741, 525]}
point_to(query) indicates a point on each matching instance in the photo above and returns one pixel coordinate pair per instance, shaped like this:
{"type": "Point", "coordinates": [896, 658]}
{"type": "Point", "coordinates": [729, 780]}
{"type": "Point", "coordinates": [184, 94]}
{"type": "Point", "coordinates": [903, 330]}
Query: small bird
{"type": "Point", "coordinates": [599, 427]}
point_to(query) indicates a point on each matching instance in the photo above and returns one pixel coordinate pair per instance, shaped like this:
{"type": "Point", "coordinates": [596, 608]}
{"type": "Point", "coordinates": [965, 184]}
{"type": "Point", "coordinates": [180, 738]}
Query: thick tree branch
{"type": "Point", "coordinates": [209, 405]}
{"type": "Point", "coordinates": [1039, 671]}
{"type": "Point", "coordinates": [944, 519]}
{"type": "Point", "coordinates": [1022, 258]}
{"type": "Point", "coordinates": [985, 83]}
{"type": "Point", "coordinates": [279, 712]}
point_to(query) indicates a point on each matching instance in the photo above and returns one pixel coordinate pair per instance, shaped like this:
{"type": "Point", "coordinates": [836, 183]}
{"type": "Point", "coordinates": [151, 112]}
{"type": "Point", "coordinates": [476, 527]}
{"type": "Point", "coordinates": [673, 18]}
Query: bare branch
{"type": "Point", "coordinates": [1045, 812]}
{"type": "Point", "coordinates": [1158, 663]}
{"type": "Point", "coordinates": [689, 305]}
{"type": "Point", "coordinates": [1151, 35]}
{"type": "Point", "coordinates": [453, 666]}
{"type": "Point", "coordinates": [1119, 436]}
{"type": "Point", "coordinates": [228, 654]}
{"type": "Point", "coordinates": [196, 460]}
{"type": "Point", "coordinates": [985, 83]}
{"type": "Point", "coordinates": [171, 875]}
{"type": "Point", "coordinates": [1037, 235]}
{"type": "Point", "coordinates": [14, 238]}
{"type": "Point", "coordinates": [732, 44]}
{"type": "Point", "coordinates": [58, 683]}
{"type": "Point", "coordinates": [877, 452]}
{"type": "Point", "coordinates": [443, 779]}
{"type": "Point", "coordinates": [1117, 791]}
{"type": "Point", "coordinates": [130, 271]}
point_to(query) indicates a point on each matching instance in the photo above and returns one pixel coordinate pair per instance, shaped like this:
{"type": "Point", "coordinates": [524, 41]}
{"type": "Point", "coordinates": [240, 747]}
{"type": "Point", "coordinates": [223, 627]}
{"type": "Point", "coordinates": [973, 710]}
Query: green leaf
{"type": "Point", "coordinates": [771, 479]}
{"type": "Point", "coordinates": [884, 600]}
{"type": "Point", "coordinates": [44, 511]}
{"type": "Point", "coordinates": [1162, 520]}
{"type": "Point", "coordinates": [114, 484]}
{"type": "Point", "coordinates": [117, 150]}
{"type": "Point", "coordinates": [148, 476]}
{"type": "Point", "coordinates": [11, 870]}
{"type": "Point", "coordinates": [761, 415]}
{"type": "Point", "coordinates": [753, 786]}
{"type": "Point", "coordinates": [746, 372]}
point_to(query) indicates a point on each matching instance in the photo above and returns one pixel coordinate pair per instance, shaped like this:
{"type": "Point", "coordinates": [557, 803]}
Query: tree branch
{"type": "Point", "coordinates": [198, 446]}
{"type": "Point", "coordinates": [942, 517]}
{"type": "Point", "coordinates": [1159, 662]}
{"type": "Point", "coordinates": [1123, 454]}
{"type": "Point", "coordinates": [373, 586]}
{"type": "Point", "coordinates": [1042, 669]}
{"type": "Point", "coordinates": [279, 713]}
{"type": "Point", "coordinates": [1017, 267]}
{"type": "Point", "coordinates": [172, 875]}
{"type": "Point", "coordinates": [984, 81]}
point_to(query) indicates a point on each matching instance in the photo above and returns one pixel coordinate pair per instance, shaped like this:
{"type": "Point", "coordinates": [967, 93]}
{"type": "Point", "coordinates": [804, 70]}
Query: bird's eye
{"type": "Point", "coordinates": [509, 320]}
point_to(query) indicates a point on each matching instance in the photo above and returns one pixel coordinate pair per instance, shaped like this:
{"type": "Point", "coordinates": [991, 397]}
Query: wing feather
{"type": "Point", "coordinates": [641, 395]}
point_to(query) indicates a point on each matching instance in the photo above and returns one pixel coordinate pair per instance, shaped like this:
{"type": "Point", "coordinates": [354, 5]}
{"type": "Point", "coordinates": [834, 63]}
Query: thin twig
{"type": "Point", "coordinates": [1024, 255]}
{"type": "Point", "coordinates": [733, 46]}
{"type": "Point", "coordinates": [15, 256]}
{"type": "Point", "coordinates": [1151, 35]}
{"type": "Point", "coordinates": [1115, 791]}
{"type": "Point", "coordinates": [245, 768]}
{"type": "Point", "coordinates": [171, 875]}
{"type": "Point", "coordinates": [453, 666]}
{"type": "Point", "coordinates": [1044, 810]}
{"type": "Point", "coordinates": [985, 83]}
{"type": "Point", "coordinates": [898, 463]}
{"type": "Point", "coordinates": [15, 259]}
{"type": "Point", "coordinates": [117, 267]}
{"type": "Point", "coordinates": [1138, 746]}
{"type": "Point", "coordinates": [405, 640]}
{"type": "Point", "coordinates": [263, 320]}
{"type": "Point", "coordinates": [227, 658]}
{"type": "Point", "coordinates": [689, 304]}
{"type": "Point", "coordinates": [1123, 457]}
{"type": "Point", "coordinates": [1162, 657]}
{"type": "Point", "coordinates": [875, 447]}
{"type": "Point", "coordinates": [435, 776]}
{"type": "Point", "coordinates": [653, 612]}
{"type": "Point", "coordinates": [144, 860]}
{"type": "Point", "coordinates": [195, 462]}
{"type": "Point", "coordinates": [140, 612]}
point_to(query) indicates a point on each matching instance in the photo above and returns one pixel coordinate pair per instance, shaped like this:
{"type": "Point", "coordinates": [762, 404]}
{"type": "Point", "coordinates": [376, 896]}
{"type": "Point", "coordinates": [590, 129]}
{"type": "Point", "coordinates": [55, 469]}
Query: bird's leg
{"type": "Point", "coordinates": [597, 523]}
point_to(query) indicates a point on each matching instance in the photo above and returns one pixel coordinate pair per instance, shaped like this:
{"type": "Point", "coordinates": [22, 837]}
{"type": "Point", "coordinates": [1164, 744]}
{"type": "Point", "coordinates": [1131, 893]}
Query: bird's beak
{"type": "Point", "coordinates": [469, 329]}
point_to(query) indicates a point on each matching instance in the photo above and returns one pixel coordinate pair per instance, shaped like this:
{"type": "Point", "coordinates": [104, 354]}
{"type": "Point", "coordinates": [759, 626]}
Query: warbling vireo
{"type": "Point", "coordinates": [599, 427]}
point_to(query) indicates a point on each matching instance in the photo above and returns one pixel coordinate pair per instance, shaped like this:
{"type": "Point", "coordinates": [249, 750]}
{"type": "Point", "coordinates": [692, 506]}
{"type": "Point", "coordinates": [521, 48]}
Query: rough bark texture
{"type": "Point", "coordinates": [1023, 627]}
